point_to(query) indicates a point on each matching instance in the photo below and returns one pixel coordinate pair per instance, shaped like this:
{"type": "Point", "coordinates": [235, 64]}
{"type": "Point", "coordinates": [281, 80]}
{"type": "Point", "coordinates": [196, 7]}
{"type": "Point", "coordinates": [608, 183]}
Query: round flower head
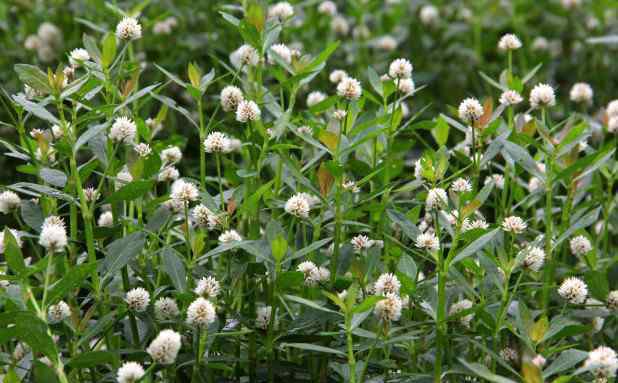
{"type": "Point", "coordinates": [581, 92]}
{"type": "Point", "coordinates": [460, 306]}
{"type": "Point", "coordinates": [207, 287]}
{"type": "Point", "coordinates": [386, 43]}
{"type": "Point", "coordinates": [612, 108]}
{"type": "Point", "coordinates": [386, 284]}
{"type": "Point", "coordinates": [400, 68]}
{"type": "Point", "coordinates": [230, 236]}
{"type": "Point", "coordinates": [49, 33]}
{"type": "Point", "coordinates": [217, 142]}
{"type": "Point", "coordinates": [315, 98]}
{"type": "Point", "coordinates": [245, 55]}
{"type": "Point", "coordinates": [201, 313]}
{"type": "Point", "coordinates": [9, 201]}
{"type": "Point", "coordinates": [128, 29]}
{"type": "Point", "coordinates": [535, 258]}
{"type": "Point", "coordinates": [164, 348]}
{"type": "Point", "coordinates": [497, 179]}
{"type": "Point", "coordinates": [510, 355]}
{"type": "Point", "coordinates": [349, 88]}
{"type": "Point", "coordinates": [514, 224]}
{"type": "Point", "coordinates": [337, 75]}
{"type": "Point", "coordinates": [580, 245]}
{"type": "Point", "coordinates": [327, 8]}
{"type": "Point", "coordinates": [262, 317]}
{"type": "Point", "coordinates": [168, 173]}
{"type": "Point", "coordinates": [247, 111]}
{"type": "Point", "coordinates": [461, 185]}
{"type": "Point", "coordinates": [435, 198]}
{"type": "Point", "coordinates": [361, 242]}
{"type": "Point", "coordinates": [53, 235]}
{"type": "Point", "coordinates": [231, 96]}
{"type": "Point", "coordinates": [307, 268]}
{"type": "Point", "coordinates": [340, 25]}
{"type": "Point", "coordinates": [16, 234]}
{"type": "Point", "coordinates": [58, 312]}
{"type": "Point", "coordinates": [510, 97]}
{"type": "Point", "coordinates": [427, 241]}
{"type": "Point", "coordinates": [166, 309]}
{"type": "Point", "coordinates": [78, 56]}
{"type": "Point", "coordinates": [570, 4]}
{"type": "Point", "coordinates": [281, 11]}
{"type": "Point", "coordinates": [612, 124]}
{"type": "Point", "coordinates": [123, 130]}
{"type": "Point", "coordinates": [389, 309]}
{"type": "Point", "coordinates": [542, 95]}
{"type": "Point", "coordinates": [282, 51]}
{"type": "Point", "coordinates": [106, 219]}
{"type": "Point", "coordinates": [539, 361]}
{"type": "Point", "coordinates": [602, 362]}
{"type": "Point", "coordinates": [474, 224]}
{"type": "Point", "coordinates": [612, 300]}
{"type": "Point", "coordinates": [429, 15]}
{"type": "Point", "coordinates": [138, 299]}
{"type": "Point", "coordinates": [574, 290]}
{"type": "Point", "coordinates": [142, 149]}
{"type": "Point", "coordinates": [339, 114]}
{"type": "Point", "coordinates": [509, 42]}
{"type": "Point", "coordinates": [171, 155]}
{"type": "Point", "coordinates": [406, 86]}
{"type": "Point", "coordinates": [130, 372]}
{"type": "Point", "coordinates": [184, 192]}
{"type": "Point", "coordinates": [298, 205]}
{"type": "Point", "coordinates": [470, 110]}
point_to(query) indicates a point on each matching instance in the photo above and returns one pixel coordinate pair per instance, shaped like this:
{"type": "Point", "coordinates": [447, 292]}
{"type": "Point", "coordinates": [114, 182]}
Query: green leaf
{"type": "Point", "coordinates": [309, 303]}
{"type": "Point", "coordinates": [92, 359]}
{"type": "Point", "coordinates": [314, 347]}
{"type": "Point", "coordinates": [566, 360]}
{"type": "Point", "coordinates": [289, 280]}
{"type": "Point", "coordinates": [88, 135]}
{"type": "Point", "coordinates": [475, 246]}
{"type": "Point", "coordinates": [32, 215]}
{"type": "Point", "coordinates": [175, 268]}
{"type": "Point", "coordinates": [440, 131]}
{"type": "Point", "coordinates": [130, 191]}
{"type": "Point", "coordinates": [120, 252]}
{"type": "Point", "coordinates": [109, 50]}
{"type": "Point", "coordinates": [367, 304]}
{"type": "Point", "coordinates": [598, 284]}
{"type": "Point", "coordinates": [407, 266]}
{"type": "Point", "coordinates": [53, 177]}
{"type": "Point", "coordinates": [70, 281]}
{"type": "Point", "coordinates": [321, 58]}
{"type": "Point", "coordinates": [279, 247]}
{"type": "Point", "coordinates": [482, 371]}
{"type": "Point", "coordinates": [13, 255]}
{"type": "Point", "coordinates": [36, 109]}
{"type": "Point", "coordinates": [408, 228]}
{"type": "Point", "coordinates": [33, 77]}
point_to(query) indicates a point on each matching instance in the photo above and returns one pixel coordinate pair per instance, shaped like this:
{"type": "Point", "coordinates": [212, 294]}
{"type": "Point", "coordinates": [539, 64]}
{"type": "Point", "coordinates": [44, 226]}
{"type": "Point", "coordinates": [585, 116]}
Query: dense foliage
{"type": "Point", "coordinates": [353, 191]}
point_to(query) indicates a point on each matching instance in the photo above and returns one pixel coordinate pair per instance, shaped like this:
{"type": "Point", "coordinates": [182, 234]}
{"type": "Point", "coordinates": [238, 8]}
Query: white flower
{"type": "Point", "coordinates": [351, 186]}
{"type": "Point", "coordinates": [49, 33]}
{"type": "Point", "coordinates": [229, 236]}
{"type": "Point", "coordinates": [429, 14]}
{"type": "Point", "coordinates": [91, 194]}
{"type": "Point", "coordinates": [164, 348]}
{"type": "Point", "coordinates": [327, 8]}
{"type": "Point", "coordinates": [574, 290]}
{"type": "Point", "coordinates": [32, 42]}
{"type": "Point", "coordinates": [475, 224]}
{"type": "Point", "coordinates": [400, 68]}
{"type": "Point", "coordinates": [171, 155]}
{"type": "Point", "coordinates": [282, 51]}
{"type": "Point", "coordinates": [183, 191]}
{"type": "Point", "coordinates": [142, 149]}
{"type": "Point", "coordinates": [539, 361]}
{"type": "Point", "coordinates": [580, 245]}
{"type": "Point", "coordinates": [361, 242]}
{"type": "Point", "coordinates": [570, 4]}
{"type": "Point", "coordinates": [386, 284]}
{"type": "Point", "coordinates": [542, 95]}
{"type": "Point", "coordinates": [498, 179]}
{"type": "Point", "coordinates": [461, 185]}
{"type": "Point", "coordinates": [304, 130]}
{"type": "Point", "coordinates": [207, 287]}
{"type": "Point", "coordinates": [509, 42]}
{"type": "Point", "coordinates": [245, 55]}
{"type": "Point", "coordinates": [470, 110]}
{"type": "Point", "coordinates": [510, 97]}
{"type": "Point", "coordinates": [123, 130]}
{"type": "Point", "coordinates": [509, 354]}
{"type": "Point", "coordinates": [307, 268]}
{"type": "Point", "coordinates": [16, 234]}
{"type": "Point", "coordinates": [78, 56]}
{"type": "Point", "coordinates": [386, 43]}
{"type": "Point", "coordinates": [535, 258]}
{"type": "Point", "coordinates": [9, 201]}
{"type": "Point", "coordinates": [514, 224]}
{"type": "Point", "coordinates": [262, 317]}
{"type": "Point", "coordinates": [427, 241]}
{"type": "Point", "coordinates": [231, 96]}
{"type": "Point", "coordinates": [349, 88]}
{"type": "Point", "coordinates": [534, 184]}
{"type": "Point", "coordinates": [138, 299]}
{"type": "Point", "coordinates": [337, 75]}
{"type": "Point", "coordinates": [201, 313]}
{"type": "Point", "coordinates": [406, 86]}
{"type": "Point", "coordinates": [612, 124]}
{"type": "Point", "coordinates": [540, 43]}
{"type": "Point", "coordinates": [339, 114]}
{"type": "Point", "coordinates": [247, 111]}
{"type": "Point", "coordinates": [130, 372]}
{"type": "Point", "coordinates": [106, 219]}
{"type": "Point", "coordinates": [340, 25]}
{"type": "Point", "coordinates": [602, 362]}
{"type": "Point", "coordinates": [460, 306]}
{"type": "Point", "coordinates": [612, 108]}
{"type": "Point", "coordinates": [53, 235]}
{"type": "Point", "coordinates": [581, 92]}
{"type": "Point", "coordinates": [389, 309]}
{"type": "Point", "coordinates": [217, 142]}
{"type": "Point", "coordinates": [435, 198]}
{"type": "Point", "coordinates": [58, 312]}
{"type": "Point", "coordinates": [164, 27]}
{"type": "Point", "coordinates": [612, 300]}
{"type": "Point", "coordinates": [298, 205]}
{"type": "Point", "coordinates": [281, 10]}
{"type": "Point", "coordinates": [315, 98]}
{"type": "Point", "coordinates": [166, 308]}
{"type": "Point", "coordinates": [129, 29]}
{"type": "Point", "coordinates": [168, 173]}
